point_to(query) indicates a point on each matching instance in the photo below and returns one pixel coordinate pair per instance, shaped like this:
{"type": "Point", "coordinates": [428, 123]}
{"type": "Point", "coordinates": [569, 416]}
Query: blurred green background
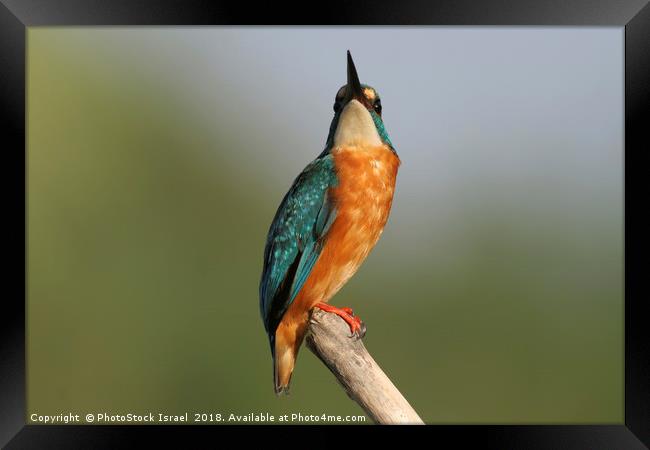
{"type": "Point", "coordinates": [156, 160]}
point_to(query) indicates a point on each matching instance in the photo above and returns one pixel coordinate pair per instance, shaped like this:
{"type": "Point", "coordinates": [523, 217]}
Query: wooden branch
{"type": "Point", "coordinates": [328, 337]}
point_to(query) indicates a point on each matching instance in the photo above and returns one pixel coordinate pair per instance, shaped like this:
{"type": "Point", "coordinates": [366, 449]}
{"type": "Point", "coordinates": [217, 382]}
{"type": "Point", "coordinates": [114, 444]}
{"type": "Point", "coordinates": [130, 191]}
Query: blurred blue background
{"type": "Point", "coordinates": [156, 160]}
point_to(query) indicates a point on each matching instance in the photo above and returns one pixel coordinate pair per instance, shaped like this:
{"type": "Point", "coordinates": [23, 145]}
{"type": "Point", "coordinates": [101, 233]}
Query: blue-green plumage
{"type": "Point", "coordinates": [295, 239]}
{"type": "Point", "coordinates": [381, 129]}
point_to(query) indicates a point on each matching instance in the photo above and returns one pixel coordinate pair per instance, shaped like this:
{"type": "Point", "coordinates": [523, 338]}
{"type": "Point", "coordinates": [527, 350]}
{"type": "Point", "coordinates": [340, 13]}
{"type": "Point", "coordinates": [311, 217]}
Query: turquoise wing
{"type": "Point", "coordinates": [296, 238]}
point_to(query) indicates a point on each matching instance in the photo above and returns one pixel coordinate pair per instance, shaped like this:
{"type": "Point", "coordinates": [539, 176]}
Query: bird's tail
{"type": "Point", "coordinates": [283, 365]}
{"type": "Point", "coordinates": [284, 347]}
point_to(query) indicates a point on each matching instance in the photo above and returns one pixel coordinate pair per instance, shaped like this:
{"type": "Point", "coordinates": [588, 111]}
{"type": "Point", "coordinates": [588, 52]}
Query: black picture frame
{"type": "Point", "coordinates": [633, 15]}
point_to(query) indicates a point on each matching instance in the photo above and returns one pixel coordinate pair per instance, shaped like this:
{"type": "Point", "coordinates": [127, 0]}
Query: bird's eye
{"type": "Point", "coordinates": [377, 106]}
{"type": "Point", "coordinates": [337, 106]}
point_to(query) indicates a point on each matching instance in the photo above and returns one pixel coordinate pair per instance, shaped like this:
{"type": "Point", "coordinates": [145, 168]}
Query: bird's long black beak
{"type": "Point", "coordinates": [354, 85]}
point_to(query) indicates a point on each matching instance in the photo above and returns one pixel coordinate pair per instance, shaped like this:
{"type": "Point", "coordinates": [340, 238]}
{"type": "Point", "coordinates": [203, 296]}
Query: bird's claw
{"type": "Point", "coordinates": [357, 327]}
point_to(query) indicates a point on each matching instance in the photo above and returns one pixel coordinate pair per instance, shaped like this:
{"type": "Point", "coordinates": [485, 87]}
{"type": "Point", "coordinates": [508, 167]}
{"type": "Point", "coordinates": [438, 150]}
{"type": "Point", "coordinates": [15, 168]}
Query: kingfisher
{"type": "Point", "coordinates": [327, 224]}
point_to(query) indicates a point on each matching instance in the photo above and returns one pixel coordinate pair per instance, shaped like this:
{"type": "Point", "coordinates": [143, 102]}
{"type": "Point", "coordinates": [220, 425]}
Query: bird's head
{"type": "Point", "coordinates": [357, 115]}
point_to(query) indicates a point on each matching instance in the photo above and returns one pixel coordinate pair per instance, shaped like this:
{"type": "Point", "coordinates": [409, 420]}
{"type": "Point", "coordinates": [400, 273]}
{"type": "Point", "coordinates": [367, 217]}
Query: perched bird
{"type": "Point", "coordinates": [327, 224]}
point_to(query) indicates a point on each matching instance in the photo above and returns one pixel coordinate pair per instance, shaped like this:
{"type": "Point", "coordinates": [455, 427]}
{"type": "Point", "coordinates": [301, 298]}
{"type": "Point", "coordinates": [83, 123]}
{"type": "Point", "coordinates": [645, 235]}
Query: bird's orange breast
{"type": "Point", "coordinates": [363, 198]}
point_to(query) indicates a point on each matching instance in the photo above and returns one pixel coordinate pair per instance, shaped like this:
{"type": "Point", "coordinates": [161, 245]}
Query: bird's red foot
{"type": "Point", "coordinates": [357, 327]}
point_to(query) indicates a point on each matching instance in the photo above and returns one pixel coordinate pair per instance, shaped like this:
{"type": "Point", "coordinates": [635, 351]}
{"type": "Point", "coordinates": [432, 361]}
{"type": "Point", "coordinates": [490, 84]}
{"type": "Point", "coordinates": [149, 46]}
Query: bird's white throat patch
{"type": "Point", "coordinates": [356, 127]}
